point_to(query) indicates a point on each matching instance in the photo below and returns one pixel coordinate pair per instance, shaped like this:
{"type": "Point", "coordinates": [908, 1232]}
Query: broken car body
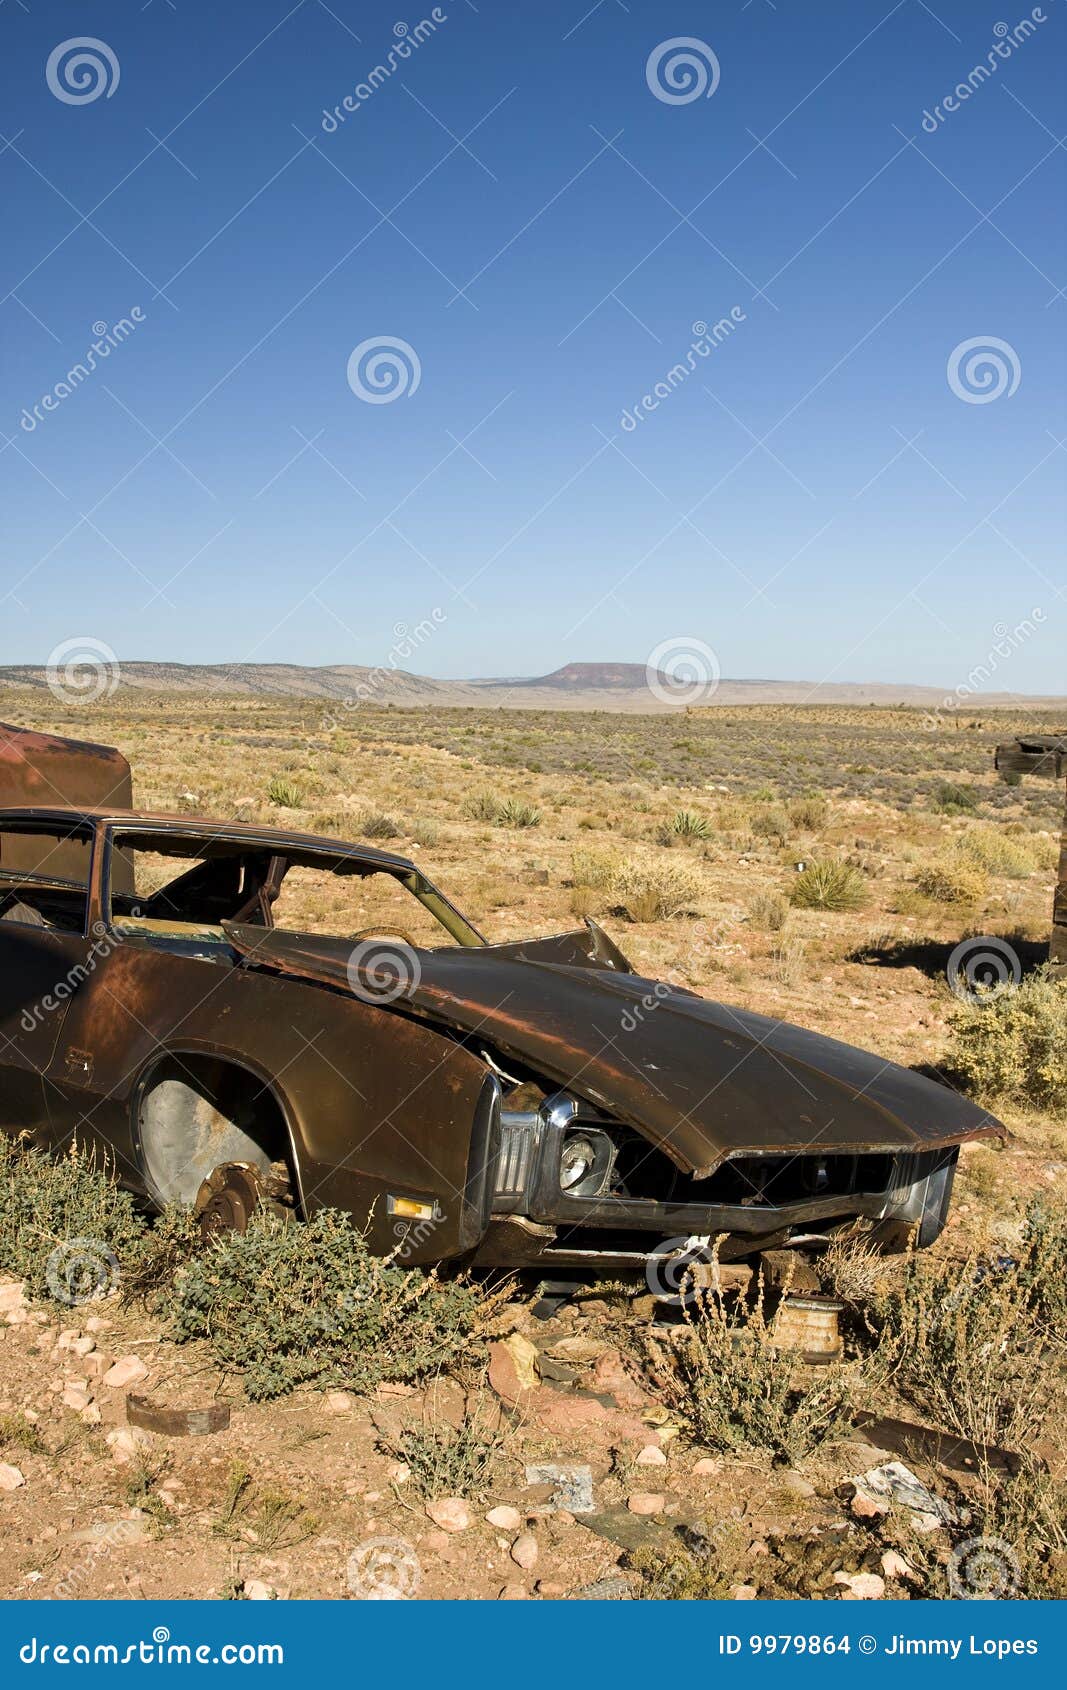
{"type": "Point", "coordinates": [228, 1011]}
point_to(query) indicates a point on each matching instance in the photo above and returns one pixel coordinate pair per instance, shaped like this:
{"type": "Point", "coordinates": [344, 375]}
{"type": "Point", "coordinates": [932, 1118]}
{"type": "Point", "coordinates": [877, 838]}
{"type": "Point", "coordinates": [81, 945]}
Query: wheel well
{"type": "Point", "coordinates": [198, 1111]}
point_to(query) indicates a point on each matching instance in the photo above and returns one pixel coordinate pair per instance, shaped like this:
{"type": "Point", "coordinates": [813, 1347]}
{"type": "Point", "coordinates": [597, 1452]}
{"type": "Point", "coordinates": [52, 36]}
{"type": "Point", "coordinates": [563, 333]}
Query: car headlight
{"type": "Point", "coordinates": [584, 1163]}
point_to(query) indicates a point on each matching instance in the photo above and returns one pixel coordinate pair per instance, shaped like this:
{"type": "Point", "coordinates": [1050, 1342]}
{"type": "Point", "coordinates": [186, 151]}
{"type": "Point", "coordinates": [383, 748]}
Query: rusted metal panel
{"type": "Point", "coordinates": [702, 1080]}
{"type": "Point", "coordinates": [43, 771]}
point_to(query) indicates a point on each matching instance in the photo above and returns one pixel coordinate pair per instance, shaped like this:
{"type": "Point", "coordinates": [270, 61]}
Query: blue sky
{"type": "Point", "coordinates": [516, 202]}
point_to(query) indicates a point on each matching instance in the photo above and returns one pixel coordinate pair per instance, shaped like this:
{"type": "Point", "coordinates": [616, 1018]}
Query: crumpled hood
{"type": "Point", "coordinates": [703, 1080]}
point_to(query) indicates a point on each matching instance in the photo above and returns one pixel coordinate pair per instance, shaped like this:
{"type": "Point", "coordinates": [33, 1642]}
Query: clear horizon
{"type": "Point", "coordinates": [564, 333]}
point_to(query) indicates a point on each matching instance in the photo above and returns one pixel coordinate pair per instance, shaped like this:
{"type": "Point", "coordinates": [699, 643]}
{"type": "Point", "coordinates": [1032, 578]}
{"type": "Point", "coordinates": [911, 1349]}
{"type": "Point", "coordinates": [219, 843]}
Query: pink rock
{"type": "Point", "coordinates": [565, 1415]}
{"type": "Point", "coordinates": [705, 1468]}
{"type": "Point", "coordinates": [128, 1370]}
{"type": "Point", "coordinates": [610, 1375]}
{"type": "Point", "coordinates": [97, 1364]}
{"type": "Point", "coordinates": [514, 1593]}
{"type": "Point", "coordinates": [12, 1295]}
{"type": "Point", "coordinates": [450, 1513]}
{"type": "Point", "coordinates": [75, 1399]}
{"type": "Point", "coordinates": [435, 1543]}
{"type": "Point", "coordinates": [512, 1369]}
{"type": "Point", "coordinates": [524, 1551]}
{"type": "Point", "coordinates": [504, 1518]}
{"type": "Point", "coordinates": [744, 1593]}
{"type": "Point", "coordinates": [10, 1477]}
{"type": "Point", "coordinates": [651, 1456]}
{"type": "Point", "coordinates": [339, 1402]}
{"type": "Point", "coordinates": [646, 1502]}
{"type": "Point", "coordinates": [125, 1442]}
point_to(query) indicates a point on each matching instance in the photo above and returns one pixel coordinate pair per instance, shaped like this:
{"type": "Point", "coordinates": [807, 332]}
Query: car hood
{"type": "Point", "coordinates": [703, 1080]}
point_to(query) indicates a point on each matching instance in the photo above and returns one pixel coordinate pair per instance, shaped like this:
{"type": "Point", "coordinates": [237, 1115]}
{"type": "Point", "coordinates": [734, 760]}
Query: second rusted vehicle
{"type": "Point", "coordinates": [234, 1014]}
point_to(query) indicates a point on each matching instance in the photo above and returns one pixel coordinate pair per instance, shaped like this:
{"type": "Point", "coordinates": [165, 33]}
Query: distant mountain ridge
{"type": "Point", "coordinates": [574, 686]}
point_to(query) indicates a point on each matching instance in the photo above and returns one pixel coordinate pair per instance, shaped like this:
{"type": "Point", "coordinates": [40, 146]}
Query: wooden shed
{"type": "Point", "coordinates": [1044, 754]}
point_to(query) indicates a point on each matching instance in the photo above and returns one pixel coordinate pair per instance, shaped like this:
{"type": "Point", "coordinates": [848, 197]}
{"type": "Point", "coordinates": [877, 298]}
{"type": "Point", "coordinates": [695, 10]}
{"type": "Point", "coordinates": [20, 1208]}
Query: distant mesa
{"type": "Point", "coordinates": [575, 686]}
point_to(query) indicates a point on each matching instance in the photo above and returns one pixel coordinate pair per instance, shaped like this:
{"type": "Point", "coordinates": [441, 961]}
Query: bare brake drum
{"type": "Point", "coordinates": [232, 1193]}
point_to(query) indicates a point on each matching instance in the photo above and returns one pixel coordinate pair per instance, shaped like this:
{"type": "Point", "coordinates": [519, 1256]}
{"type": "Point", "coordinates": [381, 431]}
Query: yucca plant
{"type": "Point", "coordinates": [829, 886]}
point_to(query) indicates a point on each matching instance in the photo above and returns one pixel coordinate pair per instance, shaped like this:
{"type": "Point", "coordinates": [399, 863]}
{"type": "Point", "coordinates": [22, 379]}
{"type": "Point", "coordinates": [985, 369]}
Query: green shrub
{"type": "Point", "coordinates": [954, 800]}
{"type": "Point", "coordinates": [768, 911]}
{"type": "Point", "coordinates": [1014, 1045]}
{"type": "Point", "coordinates": [450, 1460]}
{"type": "Point", "coordinates": [481, 807]}
{"type": "Point", "coordinates": [594, 869]}
{"type": "Point", "coordinates": [952, 879]}
{"type": "Point", "coordinates": [990, 849]}
{"type": "Point", "coordinates": [810, 813]}
{"type": "Point", "coordinates": [828, 886]}
{"type": "Point", "coordinates": [771, 822]}
{"type": "Point", "coordinates": [285, 793]}
{"type": "Point", "coordinates": [514, 813]}
{"type": "Point", "coordinates": [651, 889]}
{"type": "Point", "coordinates": [376, 825]}
{"type": "Point", "coordinates": [690, 824]}
{"type": "Point", "coordinates": [738, 1391]}
{"type": "Point", "coordinates": [65, 1227]}
{"type": "Point", "coordinates": [287, 1304]}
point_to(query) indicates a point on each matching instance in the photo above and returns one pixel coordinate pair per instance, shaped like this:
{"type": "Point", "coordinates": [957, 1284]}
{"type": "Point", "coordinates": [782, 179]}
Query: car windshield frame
{"type": "Point", "coordinates": [332, 857]}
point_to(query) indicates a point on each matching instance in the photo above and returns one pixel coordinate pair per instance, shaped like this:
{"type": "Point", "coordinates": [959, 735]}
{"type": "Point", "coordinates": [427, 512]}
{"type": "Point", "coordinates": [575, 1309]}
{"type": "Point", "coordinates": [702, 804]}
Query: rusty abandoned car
{"type": "Point", "coordinates": [236, 1015]}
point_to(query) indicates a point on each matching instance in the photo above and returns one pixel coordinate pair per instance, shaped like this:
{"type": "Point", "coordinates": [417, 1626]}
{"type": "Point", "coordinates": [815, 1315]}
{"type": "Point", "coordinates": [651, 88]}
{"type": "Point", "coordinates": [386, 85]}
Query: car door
{"type": "Point", "coordinates": [43, 964]}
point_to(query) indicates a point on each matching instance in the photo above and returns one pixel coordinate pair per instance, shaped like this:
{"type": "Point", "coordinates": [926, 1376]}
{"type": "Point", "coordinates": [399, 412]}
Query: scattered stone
{"type": "Point", "coordinates": [76, 1399]}
{"type": "Point", "coordinates": [128, 1370]}
{"type": "Point", "coordinates": [514, 1593]}
{"type": "Point", "coordinates": [620, 1527]}
{"type": "Point", "coordinates": [97, 1323]}
{"type": "Point", "coordinates": [96, 1364]}
{"type": "Point", "coordinates": [646, 1502]}
{"type": "Point", "coordinates": [256, 1591]}
{"type": "Point", "coordinates": [450, 1513]}
{"type": "Point", "coordinates": [549, 1590]}
{"type": "Point", "coordinates": [894, 1566]}
{"type": "Point", "coordinates": [610, 1589]}
{"type": "Point", "coordinates": [339, 1402]}
{"type": "Point", "coordinates": [611, 1376]}
{"type": "Point", "coordinates": [68, 1338]}
{"type": "Point", "coordinates": [565, 1417]}
{"type": "Point", "coordinates": [398, 1472]}
{"type": "Point", "coordinates": [896, 1483]}
{"type": "Point", "coordinates": [593, 1308]}
{"type": "Point", "coordinates": [436, 1543]}
{"type": "Point", "coordinates": [863, 1587]}
{"type": "Point", "coordinates": [513, 1371]}
{"type": "Point", "coordinates": [577, 1347]}
{"type": "Point", "coordinates": [504, 1518]}
{"type": "Point", "coordinates": [524, 1551]}
{"type": "Point", "coordinates": [125, 1443]}
{"type": "Point", "coordinates": [651, 1456]}
{"type": "Point", "coordinates": [11, 1477]}
{"type": "Point", "coordinates": [797, 1483]}
{"type": "Point", "coordinates": [573, 1485]}
{"type": "Point", "coordinates": [866, 1508]}
{"type": "Point", "coordinates": [744, 1593]}
{"type": "Point", "coordinates": [706, 1467]}
{"type": "Point", "coordinates": [12, 1295]}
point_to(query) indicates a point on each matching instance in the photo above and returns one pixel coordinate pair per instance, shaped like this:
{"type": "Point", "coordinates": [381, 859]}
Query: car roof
{"type": "Point", "coordinates": [197, 827]}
